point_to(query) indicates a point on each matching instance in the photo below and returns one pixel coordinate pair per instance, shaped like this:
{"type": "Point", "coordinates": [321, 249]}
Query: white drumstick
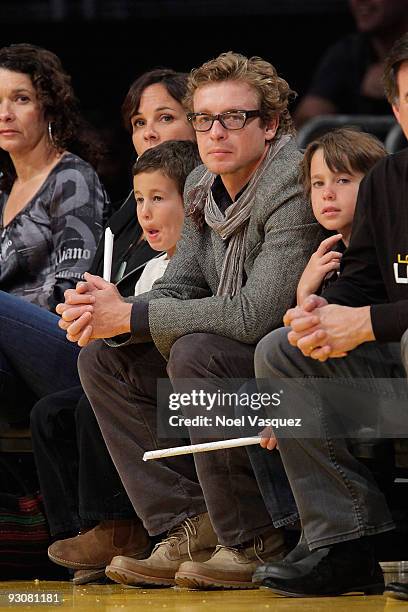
{"type": "Point", "coordinates": [107, 255]}
{"type": "Point", "coordinates": [200, 448]}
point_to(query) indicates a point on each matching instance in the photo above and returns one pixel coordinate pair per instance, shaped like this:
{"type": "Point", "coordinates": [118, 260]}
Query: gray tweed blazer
{"type": "Point", "coordinates": [282, 235]}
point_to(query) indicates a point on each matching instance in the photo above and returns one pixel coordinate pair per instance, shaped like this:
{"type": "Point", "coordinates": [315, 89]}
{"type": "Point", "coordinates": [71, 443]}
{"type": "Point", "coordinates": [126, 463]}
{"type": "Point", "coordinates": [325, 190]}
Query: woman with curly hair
{"type": "Point", "coordinates": [51, 215]}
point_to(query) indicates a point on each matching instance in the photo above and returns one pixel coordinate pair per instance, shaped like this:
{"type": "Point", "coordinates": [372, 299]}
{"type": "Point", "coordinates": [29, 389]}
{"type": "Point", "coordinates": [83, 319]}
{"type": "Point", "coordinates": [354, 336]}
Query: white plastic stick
{"type": "Point", "coordinates": [200, 448]}
{"type": "Point", "coordinates": [107, 255]}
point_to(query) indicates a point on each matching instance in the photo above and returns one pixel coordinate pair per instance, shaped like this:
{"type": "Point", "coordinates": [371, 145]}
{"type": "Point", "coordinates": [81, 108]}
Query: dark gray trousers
{"type": "Point", "coordinates": [336, 495]}
{"type": "Point", "coordinates": [121, 386]}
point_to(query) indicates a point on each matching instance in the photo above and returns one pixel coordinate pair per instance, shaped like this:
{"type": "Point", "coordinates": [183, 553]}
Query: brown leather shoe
{"type": "Point", "coordinates": [193, 539]}
{"type": "Point", "coordinates": [95, 548]}
{"type": "Point", "coordinates": [232, 567]}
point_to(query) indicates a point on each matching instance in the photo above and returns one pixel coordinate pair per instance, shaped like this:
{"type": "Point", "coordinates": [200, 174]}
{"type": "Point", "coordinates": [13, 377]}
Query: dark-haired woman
{"type": "Point", "coordinates": [153, 113]}
{"type": "Point", "coordinates": [51, 215]}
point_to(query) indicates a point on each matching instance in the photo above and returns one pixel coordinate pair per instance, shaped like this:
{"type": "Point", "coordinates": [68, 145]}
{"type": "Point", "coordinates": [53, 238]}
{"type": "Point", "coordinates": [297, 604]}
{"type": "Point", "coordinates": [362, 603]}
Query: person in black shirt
{"type": "Point", "coordinates": [348, 77]}
{"type": "Point", "coordinates": [331, 171]}
{"type": "Point", "coordinates": [339, 503]}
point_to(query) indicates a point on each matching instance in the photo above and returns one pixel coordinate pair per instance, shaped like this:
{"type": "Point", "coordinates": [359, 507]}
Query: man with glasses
{"type": "Point", "coordinates": [247, 237]}
{"type": "Point", "coordinates": [231, 120]}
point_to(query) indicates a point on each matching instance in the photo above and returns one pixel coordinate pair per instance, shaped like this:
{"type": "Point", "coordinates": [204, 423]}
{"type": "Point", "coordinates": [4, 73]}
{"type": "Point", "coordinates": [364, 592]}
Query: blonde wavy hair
{"type": "Point", "coordinates": [274, 92]}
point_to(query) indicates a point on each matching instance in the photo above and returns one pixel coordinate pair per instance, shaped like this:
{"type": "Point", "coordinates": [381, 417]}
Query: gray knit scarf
{"type": "Point", "coordinates": [233, 225]}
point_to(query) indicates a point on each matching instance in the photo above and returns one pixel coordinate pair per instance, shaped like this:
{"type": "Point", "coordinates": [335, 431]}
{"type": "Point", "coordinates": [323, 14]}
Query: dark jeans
{"type": "Point", "coordinates": [78, 480]}
{"type": "Point", "coordinates": [121, 386]}
{"type": "Point", "coordinates": [270, 473]}
{"type": "Point", "coordinates": [274, 485]}
{"type": "Point", "coordinates": [337, 496]}
{"type": "Point", "coordinates": [35, 357]}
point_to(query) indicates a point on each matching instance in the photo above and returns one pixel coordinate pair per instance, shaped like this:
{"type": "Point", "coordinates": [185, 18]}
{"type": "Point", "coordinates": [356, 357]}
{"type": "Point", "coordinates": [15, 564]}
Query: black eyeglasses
{"type": "Point", "coordinates": [230, 120]}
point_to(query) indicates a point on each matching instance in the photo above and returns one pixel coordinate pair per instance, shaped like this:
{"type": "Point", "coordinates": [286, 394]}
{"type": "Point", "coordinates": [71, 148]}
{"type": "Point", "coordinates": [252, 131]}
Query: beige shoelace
{"type": "Point", "coordinates": [185, 529]}
{"type": "Point", "coordinates": [258, 544]}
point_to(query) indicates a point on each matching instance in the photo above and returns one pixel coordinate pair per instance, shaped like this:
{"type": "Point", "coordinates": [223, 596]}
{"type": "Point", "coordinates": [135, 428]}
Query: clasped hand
{"type": "Point", "coordinates": [322, 331]}
{"type": "Point", "coordinates": [94, 309]}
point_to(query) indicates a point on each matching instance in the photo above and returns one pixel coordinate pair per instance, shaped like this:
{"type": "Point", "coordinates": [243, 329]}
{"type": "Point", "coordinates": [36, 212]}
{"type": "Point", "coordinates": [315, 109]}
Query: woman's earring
{"type": "Point", "coordinates": [50, 134]}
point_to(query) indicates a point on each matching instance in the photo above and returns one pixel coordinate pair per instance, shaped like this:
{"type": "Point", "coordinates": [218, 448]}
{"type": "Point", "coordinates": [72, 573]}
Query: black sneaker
{"type": "Point", "coordinates": [333, 570]}
{"type": "Point", "coordinates": [397, 590]}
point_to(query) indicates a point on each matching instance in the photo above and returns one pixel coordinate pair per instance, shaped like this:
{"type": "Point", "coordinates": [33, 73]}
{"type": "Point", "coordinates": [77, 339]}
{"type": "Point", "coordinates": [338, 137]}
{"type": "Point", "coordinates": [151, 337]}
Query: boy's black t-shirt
{"type": "Point", "coordinates": [374, 269]}
{"type": "Point", "coordinates": [332, 276]}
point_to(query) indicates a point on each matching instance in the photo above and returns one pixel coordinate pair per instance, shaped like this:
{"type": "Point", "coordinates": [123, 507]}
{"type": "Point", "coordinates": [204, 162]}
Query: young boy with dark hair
{"type": "Point", "coordinates": [158, 177]}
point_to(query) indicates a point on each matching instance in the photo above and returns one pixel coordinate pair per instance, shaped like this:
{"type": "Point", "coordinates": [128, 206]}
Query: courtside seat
{"type": "Point", "coordinates": [387, 451]}
{"type": "Point", "coordinates": [378, 125]}
{"type": "Point", "coordinates": [395, 140]}
{"type": "Point", "coordinates": [401, 453]}
{"type": "Point", "coordinates": [14, 440]}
